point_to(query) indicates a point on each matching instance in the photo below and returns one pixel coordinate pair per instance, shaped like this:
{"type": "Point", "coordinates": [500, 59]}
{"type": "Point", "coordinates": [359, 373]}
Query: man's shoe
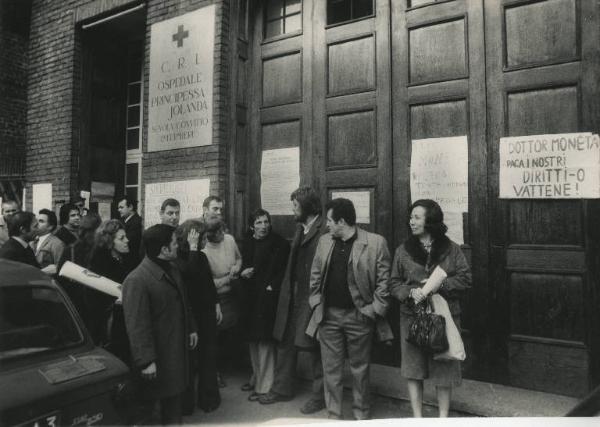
{"type": "Point", "coordinates": [312, 406]}
{"type": "Point", "coordinates": [247, 387]}
{"type": "Point", "coordinates": [254, 396]}
{"type": "Point", "coordinates": [272, 397]}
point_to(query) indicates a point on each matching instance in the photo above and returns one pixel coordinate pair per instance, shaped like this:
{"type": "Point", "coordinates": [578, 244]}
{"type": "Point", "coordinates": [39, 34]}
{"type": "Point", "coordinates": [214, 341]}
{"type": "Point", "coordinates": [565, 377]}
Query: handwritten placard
{"type": "Point", "coordinates": [190, 194]}
{"type": "Point", "coordinates": [439, 170]}
{"type": "Point", "coordinates": [180, 106]}
{"type": "Point", "coordinates": [361, 201]}
{"type": "Point", "coordinates": [559, 166]}
{"type": "Point", "coordinates": [280, 176]}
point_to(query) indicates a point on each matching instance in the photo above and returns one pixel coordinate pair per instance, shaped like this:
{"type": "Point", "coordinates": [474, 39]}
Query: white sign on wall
{"type": "Point", "coordinates": [190, 194]}
{"type": "Point", "coordinates": [280, 176]}
{"type": "Point", "coordinates": [560, 166]}
{"type": "Point", "coordinates": [361, 201]}
{"type": "Point", "coordinates": [180, 106]}
{"type": "Point", "coordinates": [439, 170]}
{"type": "Point", "coordinates": [42, 197]}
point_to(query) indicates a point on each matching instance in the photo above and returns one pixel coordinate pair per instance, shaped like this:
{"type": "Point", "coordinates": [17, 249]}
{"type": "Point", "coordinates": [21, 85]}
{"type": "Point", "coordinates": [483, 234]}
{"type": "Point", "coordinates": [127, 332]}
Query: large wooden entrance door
{"type": "Point", "coordinates": [542, 78]}
{"type": "Point", "coordinates": [438, 80]}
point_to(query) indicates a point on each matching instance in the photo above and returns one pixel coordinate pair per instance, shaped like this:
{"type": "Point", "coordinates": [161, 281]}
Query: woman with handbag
{"type": "Point", "coordinates": [264, 255]}
{"type": "Point", "coordinates": [428, 247]}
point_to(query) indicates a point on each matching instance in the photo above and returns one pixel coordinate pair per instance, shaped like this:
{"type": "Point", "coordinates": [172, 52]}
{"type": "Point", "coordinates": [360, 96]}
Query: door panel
{"type": "Point", "coordinates": [439, 91]}
{"type": "Point", "coordinates": [534, 70]}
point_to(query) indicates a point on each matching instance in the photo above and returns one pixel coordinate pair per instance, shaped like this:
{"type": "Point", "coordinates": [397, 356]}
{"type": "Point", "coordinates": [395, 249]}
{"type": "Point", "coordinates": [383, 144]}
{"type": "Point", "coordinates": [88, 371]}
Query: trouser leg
{"type": "Point", "coordinates": [265, 367]}
{"type": "Point", "coordinates": [285, 365]}
{"type": "Point", "coordinates": [318, 392]}
{"type": "Point", "coordinates": [332, 351]}
{"type": "Point", "coordinates": [359, 336]}
{"type": "Point", "coordinates": [170, 410]}
{"type": "Point", "coordinates": [254, 361]}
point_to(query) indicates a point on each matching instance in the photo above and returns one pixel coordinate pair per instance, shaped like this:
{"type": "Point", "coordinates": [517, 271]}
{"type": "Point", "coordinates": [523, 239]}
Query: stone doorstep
{"type": "Point", "coordinates": [472, 397]}
{"type": "Point", "coordinates": [478, 398]}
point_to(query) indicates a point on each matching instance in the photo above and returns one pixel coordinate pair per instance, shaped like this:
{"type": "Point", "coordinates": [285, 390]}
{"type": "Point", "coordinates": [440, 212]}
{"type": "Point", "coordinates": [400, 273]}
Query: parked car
{"type": "Point", "coordinates": [51, 373]}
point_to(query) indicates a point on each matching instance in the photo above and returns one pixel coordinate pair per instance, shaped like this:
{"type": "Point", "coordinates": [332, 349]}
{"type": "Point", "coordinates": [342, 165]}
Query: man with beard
{"type": "Point", "coordinates": [293, 311]}
{"type": "Point", "coordinates": [70, 217]}
{"type": "Point", "coordinates": [9, 208]}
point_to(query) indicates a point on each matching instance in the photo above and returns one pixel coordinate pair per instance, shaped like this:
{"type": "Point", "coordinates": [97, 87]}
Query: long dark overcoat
{"type": "Point", "coordinates": [293, 302]}
{"type": "Point", "coordinates": [158, 323]}
{"type": "Point", "coordinates": [261, 292]}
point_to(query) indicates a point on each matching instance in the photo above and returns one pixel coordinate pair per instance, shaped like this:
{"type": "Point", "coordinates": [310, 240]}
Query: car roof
{"type": "Point", "coordinates": [18, 274]}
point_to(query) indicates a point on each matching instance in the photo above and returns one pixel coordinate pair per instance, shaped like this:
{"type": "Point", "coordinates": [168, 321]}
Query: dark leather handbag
{"type": "Point", "coordinates": [427, 330]}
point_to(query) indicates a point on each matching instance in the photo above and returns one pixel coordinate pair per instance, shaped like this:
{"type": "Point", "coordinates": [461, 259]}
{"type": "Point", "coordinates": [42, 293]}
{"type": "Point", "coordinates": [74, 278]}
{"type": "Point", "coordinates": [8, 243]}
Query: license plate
{"type": "Point", "coordinates": [49, 420]}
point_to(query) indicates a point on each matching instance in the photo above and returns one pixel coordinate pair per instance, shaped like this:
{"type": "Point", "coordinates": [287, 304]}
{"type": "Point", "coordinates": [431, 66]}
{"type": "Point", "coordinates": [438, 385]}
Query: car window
{"type": "Point", "coordinates": [34, 320]}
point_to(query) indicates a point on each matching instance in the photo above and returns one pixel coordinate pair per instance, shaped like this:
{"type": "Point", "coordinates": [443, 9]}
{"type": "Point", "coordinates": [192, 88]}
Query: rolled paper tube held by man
{"type": "Point", "coordinates": [90, 279]}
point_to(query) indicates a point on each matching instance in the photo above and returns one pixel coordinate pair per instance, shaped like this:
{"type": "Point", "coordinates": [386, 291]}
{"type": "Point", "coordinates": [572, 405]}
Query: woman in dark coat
{"type": "Point", "coordinates": [264, 258]}
{"type": "Point", "coordinates": [427, 248]}
{"type": "Point", "coordinates": [108, 259]}
{"type": "Point", "coordinates": [202, 295]}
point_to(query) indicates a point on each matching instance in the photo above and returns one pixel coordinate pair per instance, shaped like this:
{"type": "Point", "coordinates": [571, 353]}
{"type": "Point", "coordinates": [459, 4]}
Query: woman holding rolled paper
{"type": "Point", "coordinates": [109, 259]}
{"type": "Point", "coordinates": [428, 262]}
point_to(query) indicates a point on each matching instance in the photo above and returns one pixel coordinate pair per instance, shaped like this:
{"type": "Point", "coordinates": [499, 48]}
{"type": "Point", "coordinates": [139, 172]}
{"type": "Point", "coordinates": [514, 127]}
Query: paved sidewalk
{"type": "Point", "coordinates": [235, 408]}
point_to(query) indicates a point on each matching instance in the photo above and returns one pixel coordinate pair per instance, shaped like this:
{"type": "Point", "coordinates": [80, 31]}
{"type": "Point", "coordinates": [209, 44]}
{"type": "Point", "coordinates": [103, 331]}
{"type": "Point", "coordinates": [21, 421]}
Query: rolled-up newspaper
{"type": "Point", "coordinates": [435, 280]}
{"type": "Point", "coordinates": [90, 279]}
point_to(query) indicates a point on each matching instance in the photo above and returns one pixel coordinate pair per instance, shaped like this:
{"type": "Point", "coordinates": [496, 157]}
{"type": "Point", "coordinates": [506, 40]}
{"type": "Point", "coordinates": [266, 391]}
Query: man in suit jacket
{"type": "Point", "coordinates": [47, 247]}
{"type": "Point", "coordinates": [22, 229]}
{"type": "Point", "coordinates": [127, 208]}
{"type": "Point", "coordinates": [159, 323]}
{"type": "Point", "coordinates": [293, 311]}
{"type": "Point", "coordinates": [348, 284]}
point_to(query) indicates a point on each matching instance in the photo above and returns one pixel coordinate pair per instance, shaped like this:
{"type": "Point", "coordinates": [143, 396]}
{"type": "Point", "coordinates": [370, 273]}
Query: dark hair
{"type": "Point", "coordinates": [105, 234]}
{"type": "Point", "coordinates": [10, 202]}
{"type": "Point", "coordinates": [342, 208]}
{"type": "Point", "coordinates": [309, 200]}
{"type": "Point", "coordinates": [51, 217]}
{"type": "Point", "coordinates": [88, 225]}
{"type": "Point", "coordinates": [216, 232]}
{"type": "Point", "coordinates": [156, 237]}
{"type": "Point", "coordinates": [169, 202]}
{"type": "Point", "coordinates": [256, 214]}
{"type": "Point", "coordinates": [434, 217]}
{"type": "Point", "coordinates": [182, 233]}
{"type": "Point", "coordinates": [65, 211]}
{"type": "Point", "coordinates": [18, 220]}
{"type": "Point", "coordinates": [209, 199]}
{"type": "Point", "coordinates": [130, 201]}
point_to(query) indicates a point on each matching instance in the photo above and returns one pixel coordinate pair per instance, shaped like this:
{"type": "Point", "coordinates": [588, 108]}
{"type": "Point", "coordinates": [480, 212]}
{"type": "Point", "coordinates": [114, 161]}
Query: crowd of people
{"type": "Point", "coordinates": [190, 296]}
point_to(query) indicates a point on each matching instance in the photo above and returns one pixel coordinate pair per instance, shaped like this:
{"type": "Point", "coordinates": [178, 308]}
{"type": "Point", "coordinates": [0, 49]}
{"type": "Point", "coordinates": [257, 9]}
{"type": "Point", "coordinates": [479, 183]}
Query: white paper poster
{"type": "Point", "coordinates": [439, 170]}
{"type": "Point", "coordinates": [104, 210]}
{"type": "Point", "coordinates": [280, 176]}
{"type": "Point", "coordinates": [190, 194]}
{"type": "Point", "coordinates": [42, 197]}
{"type": "Point", "coordinates": [560, 166]}
{"type": "Point", "coordinates": [180, 105]}
{"type": "Point", "coordinates": [86, 195]}
{"type": "Point", "coordinates": [361, 201]}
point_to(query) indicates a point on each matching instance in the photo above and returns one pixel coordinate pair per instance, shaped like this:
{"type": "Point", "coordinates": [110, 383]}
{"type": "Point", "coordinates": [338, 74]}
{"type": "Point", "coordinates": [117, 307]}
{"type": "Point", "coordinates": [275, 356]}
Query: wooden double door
{"type": "Point", "coordinates": [354, 95]}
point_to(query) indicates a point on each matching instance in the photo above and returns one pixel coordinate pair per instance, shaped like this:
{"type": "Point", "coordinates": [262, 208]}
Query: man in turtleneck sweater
{"type": "Point", "coordinates": [159, 323]}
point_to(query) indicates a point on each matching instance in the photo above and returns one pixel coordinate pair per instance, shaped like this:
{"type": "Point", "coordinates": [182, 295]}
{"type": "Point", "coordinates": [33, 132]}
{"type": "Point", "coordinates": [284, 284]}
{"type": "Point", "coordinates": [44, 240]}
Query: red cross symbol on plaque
{"type": "Point", "coordinates": [180, 35]}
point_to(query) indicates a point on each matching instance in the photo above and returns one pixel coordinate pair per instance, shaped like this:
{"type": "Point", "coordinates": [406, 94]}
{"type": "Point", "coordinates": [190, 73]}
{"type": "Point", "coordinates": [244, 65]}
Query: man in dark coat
{"type": "Point", "coordinates": [22, 229]}
{"type": "Point", "coordinates": [69, 218]}
{"type": "Point", "coordinates": [293, 311]}
{"type": "Point", "coordinates": [127, 208]}
{"type": "Point", "coordinates": [159, 323]}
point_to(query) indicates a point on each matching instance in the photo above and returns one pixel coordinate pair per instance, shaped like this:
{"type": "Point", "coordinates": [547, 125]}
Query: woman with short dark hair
{"type": "Point", "coordinates": [264, 259]}
{"type": "Point", "coordinates": [427, 248]}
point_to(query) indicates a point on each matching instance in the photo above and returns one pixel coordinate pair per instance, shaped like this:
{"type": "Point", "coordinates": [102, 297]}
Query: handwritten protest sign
{"type": "Point", "coordinates": [560, 166]}
{"type": "Point", "coordinates": [439, 170]}
{"type": "Point", "coordinates": [280, 176]}
{"type": "Point", "coordinates": [190, 194]}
